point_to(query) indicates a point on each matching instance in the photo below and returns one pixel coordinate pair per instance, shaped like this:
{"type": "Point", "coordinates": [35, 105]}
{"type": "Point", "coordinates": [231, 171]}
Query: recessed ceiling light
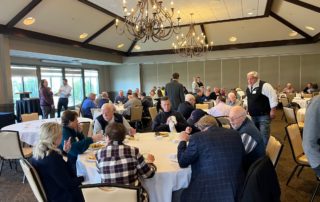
{"type": "Point", "coordinates": [293, 33]}
{"type": "Point", "coordinates": [233, 39]}
{"type": "Point", "coordinates": [83, 35]}
{"type": "Point", "coordinates": [250, 13]}
{"type": "Point", "coordinates": [120, 45]}
{"type": "Point", "coordinates": [137, 47]}
{"type": "Point", "coordinates": [29, 21]}
{"type": "Point", "coordinates": [310, 28]}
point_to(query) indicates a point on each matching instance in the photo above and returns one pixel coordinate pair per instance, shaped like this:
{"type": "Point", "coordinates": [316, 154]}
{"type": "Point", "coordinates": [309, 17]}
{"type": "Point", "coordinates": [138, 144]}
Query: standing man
{"type": "Point", "coordinates": [174, 90]}
{"type": "Point", "coordinates": [64, 92]}
{"type": "Point", "coordinates": [262, 102]}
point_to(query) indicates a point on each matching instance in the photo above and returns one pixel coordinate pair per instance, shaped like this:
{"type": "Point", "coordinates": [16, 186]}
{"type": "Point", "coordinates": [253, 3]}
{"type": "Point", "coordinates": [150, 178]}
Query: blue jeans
{"type": "Point", "coordinates": [63, 102]}
{"type": "Point", "coordinates": [263, 124]}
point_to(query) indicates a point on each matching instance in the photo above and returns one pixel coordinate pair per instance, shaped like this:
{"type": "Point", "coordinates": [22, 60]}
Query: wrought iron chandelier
{"type": "Point", "coordinates": [149, 20]}
{"type": "Point", "coordinates": [191, 44]}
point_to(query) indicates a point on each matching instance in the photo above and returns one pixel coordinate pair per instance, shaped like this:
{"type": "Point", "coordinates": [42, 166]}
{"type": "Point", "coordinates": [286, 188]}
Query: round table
{"type": "Point", "coordinates": [303, 103]}
{"type": "Point", "coordinates": [29, 131]}
{"type": "Point", "coordinates": [119, 108]}
{"type": "Point", "coordinates": [169, 176]}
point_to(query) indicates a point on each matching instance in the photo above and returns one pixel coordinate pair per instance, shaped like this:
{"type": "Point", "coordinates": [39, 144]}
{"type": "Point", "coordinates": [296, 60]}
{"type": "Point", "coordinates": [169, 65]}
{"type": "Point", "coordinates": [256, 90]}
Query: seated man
{"type": "Point", "coordinates": [200, 97]}
{"type": "Point", "coordinates": [146, 104]}
{"type": "Point", "coordinates": [232, 100]}
{"type": "Point", "coordinates": [186, 108]}
{"type": "Point", "coordinates": [210, 95]}
{"type": "Point", "coordinates": [250, 135]}
{"type": "Point", "coordinates": [120, 163]}
{"type": "Point", "coordinates": [132, 102]}
{"type": "Point", "coordinates": [87, 105]}
{"type": "Point", "coordinates": [221, 109]}
{"type": "Point", "coordinates": [215, 156]}
{"type": "Point", "coordinates": [104, 99]}
{"type": "Point", "coordinates": [120, 98]}
{"type": "Point", "coordinates": [161, 122]}
{"type": "Point", "coordinates": [109, 116]}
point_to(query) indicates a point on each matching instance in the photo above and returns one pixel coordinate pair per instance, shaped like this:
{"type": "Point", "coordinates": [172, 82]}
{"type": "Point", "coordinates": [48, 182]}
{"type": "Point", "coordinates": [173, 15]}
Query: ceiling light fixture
{"type": "Point", "coordinates": [29, 21]}
{"type": "Point", "coordinates": [293, 33]}
{"type": "Point", "coordinates": [191, 44]}
{"type": "Point", "coordinates": [83, 35]}
{"type": "Point", "coordinates": [120, 45]}
{"type": "Point", "coordinates": [137, 47]}
{"type": "Point", "coordinates": [250, 13]}
{"type": "Point", "coordinates": [310, 28]}
{"type": "Point", "coordinates": [233, 39]}
{"type": "Point", "coordinates": [149, 20]}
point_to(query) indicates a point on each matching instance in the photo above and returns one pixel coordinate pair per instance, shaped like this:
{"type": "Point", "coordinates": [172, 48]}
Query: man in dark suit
{"type": "Point", "coordinates": [175, 92]}
{"type": "Point", "coordinates": [186, 108]}
{"type": "Point", "coordinates": [215, 156]}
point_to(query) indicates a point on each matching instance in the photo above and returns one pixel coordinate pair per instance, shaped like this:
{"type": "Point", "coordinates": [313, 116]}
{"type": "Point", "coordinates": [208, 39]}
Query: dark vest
{"type": "Point", "coordinates": [117, 118]}
{"type": "Point", "coordinates": [258, 104]}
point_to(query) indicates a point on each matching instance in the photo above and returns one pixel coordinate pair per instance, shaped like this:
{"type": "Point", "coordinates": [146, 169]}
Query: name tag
{"type": "Point", "coordinates": [254, 92]}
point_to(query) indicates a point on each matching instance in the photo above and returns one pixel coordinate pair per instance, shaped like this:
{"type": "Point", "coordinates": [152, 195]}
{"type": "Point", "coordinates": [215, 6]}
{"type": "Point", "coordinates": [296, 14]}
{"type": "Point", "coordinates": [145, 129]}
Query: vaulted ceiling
{"type": "Point", "coordinates": [255, 23]}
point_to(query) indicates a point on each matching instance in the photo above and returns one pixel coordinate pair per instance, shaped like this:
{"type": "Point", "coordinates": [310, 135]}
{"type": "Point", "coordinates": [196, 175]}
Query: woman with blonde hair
{"type": "Point", "coordinates": [58, 179]}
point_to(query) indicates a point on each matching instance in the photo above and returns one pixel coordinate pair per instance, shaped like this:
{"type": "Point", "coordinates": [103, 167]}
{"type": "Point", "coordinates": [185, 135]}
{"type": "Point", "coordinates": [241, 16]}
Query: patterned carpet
{"type": "Point", "coordinates": [300, 189]}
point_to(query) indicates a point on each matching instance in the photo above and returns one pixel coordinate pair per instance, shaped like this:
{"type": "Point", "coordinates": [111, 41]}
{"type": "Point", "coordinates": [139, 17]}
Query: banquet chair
{"type": "Point", "coordinates": [109, 192]}
{"type": "Point", "coordinates": [29, 117]}
{"type": "Point", "coordinates": [307, 95]}
{"type": "Point", "coordinates": [274, 149]}
{"type": "Point", "coordinates": [291, 117]}
{"type": "Point", "coordinates": [34, 180]}
{"type": "Point", "coordinates": [290, 96]}
{"type": "Point", "coordinates": [210, 104]}
{"type": "Point", "coordinates": [202, 106]}
{"type": "Point", "coordinates": [136, 115]}
{"type": "Point", "coordinates": [153, 112]}
{"type": "Point", "coordinates": [285, 103]}
{"type": "Point", "coordinates": [86, 128]}
{"type": "Point", "coordinates": [77, 109]}
{"type": "Point", "coordinates": [295, 142]}
{"type": "Point", "coordinates": [10, 147]}
{"type": "Point", "coordinates": [223, 121]}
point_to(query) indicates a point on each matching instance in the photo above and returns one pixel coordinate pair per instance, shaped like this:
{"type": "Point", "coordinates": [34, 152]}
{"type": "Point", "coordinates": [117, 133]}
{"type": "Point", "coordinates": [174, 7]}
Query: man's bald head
{"type": "Point", "coordinates": [237, 115]}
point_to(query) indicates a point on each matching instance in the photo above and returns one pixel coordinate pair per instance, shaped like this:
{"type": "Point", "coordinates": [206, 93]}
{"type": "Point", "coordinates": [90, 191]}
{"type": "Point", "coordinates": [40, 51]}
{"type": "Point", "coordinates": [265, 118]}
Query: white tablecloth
{"type": "Point", "coordinates": [303, 103]}
{"type": "Point", "coordinates": [300, 114]}
{"type": "Point", "coordinates": [29, 131]}
{"type": "Point", "coordinates": [169, 176]}
{"type": "Point", "coordinates": [119, 108]}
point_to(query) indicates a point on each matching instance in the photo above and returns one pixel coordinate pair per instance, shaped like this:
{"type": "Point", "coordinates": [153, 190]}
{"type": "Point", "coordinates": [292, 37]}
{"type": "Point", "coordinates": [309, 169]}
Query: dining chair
{"type": "Point", "coordinates": [291, 117]}
{"type": "Point", "coordinates": [223, 121]}
{"type": "Point", "coordinates": [274, 149]}
{"type": "Point", "coordinates": [29, 117]}
{"type": "Point", "coordinates": [153, 112]}
{"type": "Point", "coordinates": [202, 106]}
{"type": "Point", "coordinates": [295, 141]}
{"type": "Point", "coordinates": [34, 180]}
{"type": "Point", "coordinates": [136, 115]}
{"type": "Point", "coordinates": [10, 147]}
{"type": "Point", "coordinates": [109, 192]}
{"type": "Point", "coordinates": [290, 96]}
{"type": "Point", "coordinates": [307, 95]}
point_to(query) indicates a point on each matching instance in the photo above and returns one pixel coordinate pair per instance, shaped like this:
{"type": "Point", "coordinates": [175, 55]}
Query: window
{"type": "Point", "coordinates": [91, 81]}
{"type": "Point", "coordinates": [54, 78]}
{"type": "Point", "coordinates": [24, 79]}
{"type": "Point", "coordinates": [74, 78]}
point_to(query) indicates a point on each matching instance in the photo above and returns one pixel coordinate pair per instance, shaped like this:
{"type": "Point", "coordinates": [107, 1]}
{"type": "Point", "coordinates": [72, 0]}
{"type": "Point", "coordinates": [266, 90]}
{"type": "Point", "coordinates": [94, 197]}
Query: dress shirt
{"type": "Point", "coordinates": [221, 109]}
{"type": "Point", "coordinates": [268, 91]}
{"type": "Point", "coordinates": [65, 91]}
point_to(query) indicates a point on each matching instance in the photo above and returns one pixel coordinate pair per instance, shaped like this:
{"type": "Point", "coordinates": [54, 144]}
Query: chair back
{"type": "Point", "coordinates": [274, 149]}
{"type": "Point", "coordinates": [295, 140]}
{"type": "Point", "coordinates": [77, 109]}
{"type": "Point", "coordinates": [223, 121]}
{"type": "Point", "coordinates": [29, 117]}
{"type": "Point", "coordinates": [284, 101]}
{"type": "Point", "coordinates": [153, 112]}
{"type": "Point", "coordinates": [86, 128]}
{"type": "Point", "coordinates": [34, 180]}
{"type": "Point", "coordinates": [109, 192]}
{"type": "Point", "coordinates": [10, 146]}
{"type": "Point", "coordinates": [290, 115]}
{"type": "Point", "coordinates": [307, 95]}
{"type": "Point", "coordinates": [202, 106]}
{"type": "Point", "coordinates": [290, 96]}
{"type": "Point", "coordinates": [136, 113]}
{"type": "Point", "coordinates": [210, 104]}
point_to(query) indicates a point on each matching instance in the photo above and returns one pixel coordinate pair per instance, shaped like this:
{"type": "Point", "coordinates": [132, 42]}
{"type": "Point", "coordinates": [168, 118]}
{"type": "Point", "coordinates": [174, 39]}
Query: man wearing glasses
{"type": "Point", "coordinates": [250, 135]}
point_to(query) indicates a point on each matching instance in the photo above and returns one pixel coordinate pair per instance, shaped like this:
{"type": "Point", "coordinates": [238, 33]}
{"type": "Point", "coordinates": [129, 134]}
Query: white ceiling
{"type": "Point", "coordinates": [10, 8]}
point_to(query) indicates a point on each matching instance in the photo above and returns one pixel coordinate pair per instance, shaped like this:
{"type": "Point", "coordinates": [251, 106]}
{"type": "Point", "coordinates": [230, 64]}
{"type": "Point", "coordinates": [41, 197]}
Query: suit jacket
{"type": "Point", "coordinates": [174, 90]}
{"type": "Point", "coordinates": [215, 157]}
{"type": "Point", "coordinates": [160, 122]}
{"type": "Point", "coordinates": [134, 102]}
{"type": "Point", "coordinates": [185, 108]}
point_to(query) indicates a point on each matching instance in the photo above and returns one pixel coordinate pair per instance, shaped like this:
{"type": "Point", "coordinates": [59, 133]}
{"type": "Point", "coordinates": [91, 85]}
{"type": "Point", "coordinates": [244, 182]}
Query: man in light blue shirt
{"type": "Point", "coordinates": [87, 105]}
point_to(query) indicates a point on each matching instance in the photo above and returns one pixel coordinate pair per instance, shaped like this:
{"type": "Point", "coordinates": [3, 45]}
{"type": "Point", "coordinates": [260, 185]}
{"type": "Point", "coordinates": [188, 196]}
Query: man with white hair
{"type": "Point", "coordinates": [109, 116]}
{"type": "Point", "coordinates": [262, 103]}
{"type": "Point", "coordinates": [232, 100]}
{"type": "Point", "coordinates": [186, 107]}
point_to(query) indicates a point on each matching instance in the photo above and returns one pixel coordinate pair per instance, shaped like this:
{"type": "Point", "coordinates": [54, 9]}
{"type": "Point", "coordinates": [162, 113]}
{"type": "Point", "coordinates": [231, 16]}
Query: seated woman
{"type": "Point", "coordinates": [120, 163]}
{"type": "Point", "coordinates": [59, 181]}
{"type": "Point", "coordinates": [73, 131]}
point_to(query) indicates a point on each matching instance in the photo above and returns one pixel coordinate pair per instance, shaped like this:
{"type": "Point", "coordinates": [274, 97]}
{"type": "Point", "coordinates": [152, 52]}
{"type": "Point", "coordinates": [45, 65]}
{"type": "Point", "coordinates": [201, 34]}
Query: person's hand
{"type": "Point", "coordinates": [188, 130]}
{"type": "Point", "coordinates": [184, 136]}
{"type": "Point", "coordinates": [168, 120]}
{"type": "Point", "coordinates": [150, 158]}
{"type": "Point", "coordinates": [273, 113]}
{"type": "Point", "coordinates": [98, 137]}
{"type": "Point", "coordinates": [132, 131]}
{"type": "Point", "coordinates": [67, 145]}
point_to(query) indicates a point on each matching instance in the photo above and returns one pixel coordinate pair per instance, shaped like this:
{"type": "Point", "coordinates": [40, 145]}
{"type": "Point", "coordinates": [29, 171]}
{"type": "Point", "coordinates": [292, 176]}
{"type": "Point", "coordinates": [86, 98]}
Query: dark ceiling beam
{"type": "Point", "coordinates": [205, 34]}
{"type": "Point", "coordinates": [233, 46]}
{"type": "Point", "coordinates": [305, 5]}
{"type": "Point", "coordinates": [103, 29]}
{"type": "Point", "coordinates": [22, 13]}
{"type": "Point", "coordinates": [291, 26]}
{"type": "Point", "coordinates": [54, 39]}
{"type": "Point", "coordinates": [268, 8]}
{"type": "Point", "coordinates": [316, 38]}
{"type": "Point", "coordinates": [134, 42]}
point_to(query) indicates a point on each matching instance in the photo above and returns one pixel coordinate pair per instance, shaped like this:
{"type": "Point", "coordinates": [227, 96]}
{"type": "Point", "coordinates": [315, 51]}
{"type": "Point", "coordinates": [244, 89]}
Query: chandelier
{"type": "Point", "coordinates": [191, 44]}
{"type": "Point", "coordinates": [149, 20]}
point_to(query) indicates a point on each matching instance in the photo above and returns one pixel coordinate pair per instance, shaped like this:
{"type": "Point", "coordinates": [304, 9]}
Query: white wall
{"type": "Point", "coordinates": [124, 77]}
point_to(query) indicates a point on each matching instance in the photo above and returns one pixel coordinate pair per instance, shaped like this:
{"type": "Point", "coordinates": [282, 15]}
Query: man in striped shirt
{"type": "Point", "coordinates": [251, 137]}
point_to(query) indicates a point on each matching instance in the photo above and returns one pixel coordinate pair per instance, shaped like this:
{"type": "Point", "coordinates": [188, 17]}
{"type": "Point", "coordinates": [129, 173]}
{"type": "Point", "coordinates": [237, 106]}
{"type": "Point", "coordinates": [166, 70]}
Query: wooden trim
{"type": "Point", "coordinates": [204, 32]}
{"type": "Point", "coordinates": [103, 29]}
{"type": "Point", "coordinates": [290, 25]}
{"type": "Point", "coordinates": [316, 38]}
{"type": "Point", "coordinates": [233, 46]}
{"type": "Point", "coordinates": [55, 39]}
{"type": "Point", "coordinates": [305, 5]}
{"type": "Point", "coordinates": [132, 46]}
{"type": "Point", "coordinates": [268, 8]}
{"type": "Point", "coordinates": [22, 13]}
